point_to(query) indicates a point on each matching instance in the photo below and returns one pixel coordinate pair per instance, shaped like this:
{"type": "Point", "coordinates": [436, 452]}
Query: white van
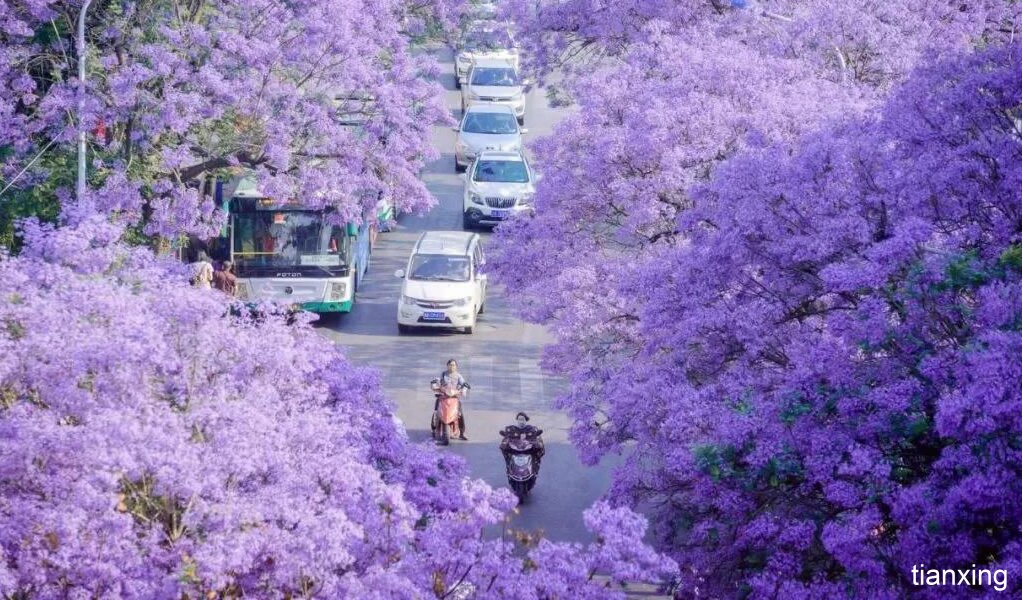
{"type": "Point", "coordinates": [443, 285]}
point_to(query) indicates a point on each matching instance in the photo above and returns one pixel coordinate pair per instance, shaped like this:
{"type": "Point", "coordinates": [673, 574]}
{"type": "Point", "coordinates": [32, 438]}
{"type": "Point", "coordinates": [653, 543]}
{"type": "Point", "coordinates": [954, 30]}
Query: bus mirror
{"type": "Point", "coordinates": [352, 229]}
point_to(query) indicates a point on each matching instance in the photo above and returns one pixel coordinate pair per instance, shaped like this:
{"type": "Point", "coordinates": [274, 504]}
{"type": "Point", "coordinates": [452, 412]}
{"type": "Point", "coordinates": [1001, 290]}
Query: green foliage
{"type": "Point", "coordinates": [1012, 257]}
{"type": "Point", "coordinates": [37, 199]}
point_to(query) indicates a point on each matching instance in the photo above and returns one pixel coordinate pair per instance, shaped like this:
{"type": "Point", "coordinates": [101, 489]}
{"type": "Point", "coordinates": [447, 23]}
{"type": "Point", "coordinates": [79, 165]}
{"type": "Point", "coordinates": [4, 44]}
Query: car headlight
{"type": "Point", "coordinates": [463, 301]}
{"type": "Point", "coordinates": [476, 199]}
{"type": "Point", "coordinates": [407, 300]}
{"type": "Point", "coordinates": [461, 146]}
{"type": "Point", "coordinates": [526, 198]}
{"type": "Point", "coordinates": [337, 291]}
{"type": "Point", "coordinates": [518, 95]}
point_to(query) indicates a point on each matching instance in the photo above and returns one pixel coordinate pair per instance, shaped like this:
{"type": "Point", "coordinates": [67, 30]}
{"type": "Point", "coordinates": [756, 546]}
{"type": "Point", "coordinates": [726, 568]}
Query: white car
{"type": "Point", "coordinates": [486, 126]}
{"type": "Point", "coordinates": [499, 185]}
{"type": "Point", "coordinates": [495, 80]}
{"type": "Point", "coordinates": [484, 40]}
{"type": "Point", "coordinates": [443, 285]}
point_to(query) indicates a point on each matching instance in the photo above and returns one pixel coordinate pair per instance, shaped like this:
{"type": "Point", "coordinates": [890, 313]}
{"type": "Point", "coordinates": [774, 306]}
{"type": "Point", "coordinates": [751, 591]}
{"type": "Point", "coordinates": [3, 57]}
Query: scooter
{"type": "Point", "coordinates": [446, 422]}
{"type": "Point", "coordinates": [523, 450]}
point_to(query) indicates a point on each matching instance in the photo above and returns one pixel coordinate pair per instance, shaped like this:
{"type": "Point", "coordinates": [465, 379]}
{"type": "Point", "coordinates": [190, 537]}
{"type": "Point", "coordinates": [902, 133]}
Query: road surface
{"type": "Point", "coordinates": [500, 360]}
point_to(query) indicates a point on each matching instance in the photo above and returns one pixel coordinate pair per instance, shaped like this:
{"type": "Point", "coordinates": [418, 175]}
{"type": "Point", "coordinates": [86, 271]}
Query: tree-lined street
{"type": "Point", "coordinates": [767, 257]}
{"type": "Point", "coordinates": [500, 359]}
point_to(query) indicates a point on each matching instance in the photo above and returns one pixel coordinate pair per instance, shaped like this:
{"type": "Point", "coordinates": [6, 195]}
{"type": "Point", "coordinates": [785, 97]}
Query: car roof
{"type": "Point", "coordinates": [500, 155]}
{"type": "Point", "coordinates": [486, 25]}
{"type": "Point", "coordinates": [451, 243]}
{"type": "Point", "coordinates": [490, 107]}
{"type": "Point", "coordinates": [491, 63]}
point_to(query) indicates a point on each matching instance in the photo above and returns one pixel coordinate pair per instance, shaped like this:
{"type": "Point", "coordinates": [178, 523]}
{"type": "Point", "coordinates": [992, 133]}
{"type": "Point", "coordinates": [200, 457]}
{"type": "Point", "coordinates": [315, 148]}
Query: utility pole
{"type": "Point", "coordinates": [80, 186]}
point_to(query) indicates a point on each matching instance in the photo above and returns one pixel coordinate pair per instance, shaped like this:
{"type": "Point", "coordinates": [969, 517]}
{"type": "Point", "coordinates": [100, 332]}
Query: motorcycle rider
{"type": "Point", "coordinates": [452, 379]}
{"type": "Point", "coordinates": [522, 427]}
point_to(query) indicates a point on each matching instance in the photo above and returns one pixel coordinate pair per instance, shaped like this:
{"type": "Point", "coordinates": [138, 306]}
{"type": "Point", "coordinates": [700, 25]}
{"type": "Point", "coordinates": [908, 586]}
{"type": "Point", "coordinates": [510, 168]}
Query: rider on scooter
{"type": "Point", "coordinates": [522, 427]}
{"type": "Point", "coordinates": [452, 379]}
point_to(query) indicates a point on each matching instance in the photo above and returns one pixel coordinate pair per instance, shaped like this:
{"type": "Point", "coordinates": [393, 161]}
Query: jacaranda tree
{"type": "Point", "coordinates": [158, 445]}
{"type": "Point", "coordinates": [158, 442]}
{"type": "Point", "coordinates": [323, 99]}
{"type": "Point", "coordinates": [802, 310]}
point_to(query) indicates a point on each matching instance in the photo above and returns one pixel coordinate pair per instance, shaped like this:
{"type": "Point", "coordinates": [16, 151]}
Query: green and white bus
{"type": "Point", "coordinates": [286, 253]}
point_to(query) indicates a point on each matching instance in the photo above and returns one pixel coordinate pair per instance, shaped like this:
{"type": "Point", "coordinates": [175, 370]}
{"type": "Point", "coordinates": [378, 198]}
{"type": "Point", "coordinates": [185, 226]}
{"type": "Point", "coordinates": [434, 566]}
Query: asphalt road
{"type": "Point", "coordinates": [500, 360]}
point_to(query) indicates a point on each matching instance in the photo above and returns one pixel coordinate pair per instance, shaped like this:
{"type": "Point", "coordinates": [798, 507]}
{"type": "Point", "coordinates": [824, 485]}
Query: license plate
{"type": "Point", "coordinates": [433, 316]}
{"type": "Point", "coordinates": [500, 214]}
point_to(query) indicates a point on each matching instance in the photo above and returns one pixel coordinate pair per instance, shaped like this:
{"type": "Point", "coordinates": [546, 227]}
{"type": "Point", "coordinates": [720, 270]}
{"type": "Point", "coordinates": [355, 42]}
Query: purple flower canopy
{"type": "Point", "coordinates": [156, 446]}
{"type": "Point", "coordinates": [780, 245]}
{"type": "Point", "coordinates": [156, 443]}
{"type": "Point", "coordinates": [781, 250]}
{"type": "Point", "coordinates": [177, 96]}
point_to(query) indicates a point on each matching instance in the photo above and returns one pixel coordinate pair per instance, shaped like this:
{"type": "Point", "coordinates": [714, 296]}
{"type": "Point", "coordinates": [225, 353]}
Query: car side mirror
{"type": "Point", "coordinates": [463, 177]}
{"type": "Point", "coordinates": [523, 130]}
{"type": "Point", "coordinates": [400, 273]}
{"type": "Point", "coordinates": [527, 82]}
{"type": "Point", "coordinates": [456, 128]}
{"type": "Point", "coordinates": [481, 276]}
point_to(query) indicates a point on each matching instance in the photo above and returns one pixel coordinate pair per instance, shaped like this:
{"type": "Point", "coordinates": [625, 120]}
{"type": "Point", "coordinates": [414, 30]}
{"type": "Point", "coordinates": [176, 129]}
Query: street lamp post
{"type": "Point", "coordinates": [80, 185]}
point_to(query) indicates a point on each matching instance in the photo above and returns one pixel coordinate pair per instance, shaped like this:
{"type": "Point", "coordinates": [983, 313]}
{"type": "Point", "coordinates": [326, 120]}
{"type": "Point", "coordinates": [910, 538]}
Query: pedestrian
{"type": "Point", "coordinates": [225, 280]}
{"type": "Point", "coordinates": [202, 271]}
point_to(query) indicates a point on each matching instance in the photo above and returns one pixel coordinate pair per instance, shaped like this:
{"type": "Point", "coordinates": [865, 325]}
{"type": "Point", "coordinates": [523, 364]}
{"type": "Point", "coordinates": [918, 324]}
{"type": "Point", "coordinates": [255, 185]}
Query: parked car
{"type": "Point", "coordinates": [486, 127]}
{"type": "Point", "coordinates": [499, 185]}
{"type": "Point", "coordinates": [443, 285]}
{"type": "Point", "coordinates": [484, 39]}
{"type": "Point", "coordinates": [495, 80]}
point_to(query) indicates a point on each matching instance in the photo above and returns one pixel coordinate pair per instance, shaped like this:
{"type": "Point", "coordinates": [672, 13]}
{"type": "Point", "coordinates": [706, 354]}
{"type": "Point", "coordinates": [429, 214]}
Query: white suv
{"type": "Point", "coordinates": [486, 126]}
{"type": "Point", "coordinates": [498, 185]}
{"type": "Point", "coordinates": [495, 80]}
{"type": "Point", "coordinates": [443, 286]}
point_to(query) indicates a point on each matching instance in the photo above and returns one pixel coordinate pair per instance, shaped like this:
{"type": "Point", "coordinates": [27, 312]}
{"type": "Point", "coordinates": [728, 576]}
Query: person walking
{"type": "Point", "coordinates": [202, 271]}
{"type": "Point", "coordinates": [225, 280]}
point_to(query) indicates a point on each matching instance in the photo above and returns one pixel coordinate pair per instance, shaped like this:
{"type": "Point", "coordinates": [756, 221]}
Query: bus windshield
{"type": "Point", "coordinates": [288, 238]}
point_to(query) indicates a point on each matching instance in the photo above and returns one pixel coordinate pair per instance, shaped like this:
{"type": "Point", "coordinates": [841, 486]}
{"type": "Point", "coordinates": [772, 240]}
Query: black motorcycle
{"type": "Point", "coordinates": [522, 449]}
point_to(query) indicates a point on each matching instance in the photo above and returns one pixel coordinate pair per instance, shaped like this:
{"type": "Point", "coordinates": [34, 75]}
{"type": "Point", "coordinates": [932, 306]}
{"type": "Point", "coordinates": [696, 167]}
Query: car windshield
{"type": "Point", "coordinates": [488, 39]}
{"type": "Point", "coordinates": [506, 171]}
{"type": "Point", "coordinates": [501, 76]}
{"type": "Point", "coordinates": [490, 122]}
{"type": "Point", "coordinates": [439, 267]}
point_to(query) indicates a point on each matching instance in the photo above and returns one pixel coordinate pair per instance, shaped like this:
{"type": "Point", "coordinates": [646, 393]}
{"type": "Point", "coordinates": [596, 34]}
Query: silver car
{"type": "Point", "coordinates": [495, 80]}
{"type": "Point", "coordinates": [486, 127]}
{"type": "Point", "coordinates": [499, 186]}
{"type": "Point", "coordinates": [484, 39]}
